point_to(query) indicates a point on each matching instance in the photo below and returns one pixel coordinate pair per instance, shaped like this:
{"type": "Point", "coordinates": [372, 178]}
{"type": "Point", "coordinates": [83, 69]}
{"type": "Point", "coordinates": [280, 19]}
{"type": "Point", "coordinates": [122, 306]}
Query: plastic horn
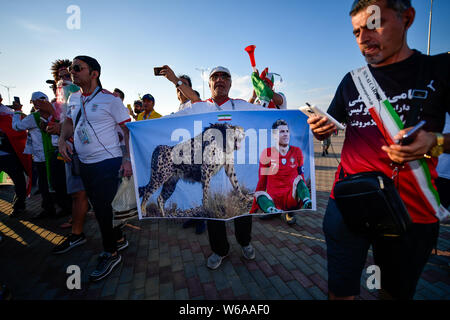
{"type": "Point", "coordinates": [251, 53]}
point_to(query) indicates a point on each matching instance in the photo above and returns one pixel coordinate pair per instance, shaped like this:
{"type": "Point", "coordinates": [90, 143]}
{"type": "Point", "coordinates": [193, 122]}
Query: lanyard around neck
{"type": "Point", "coordinates": [148, 116]}
{"type": "Point", "coordinates": [89, 99]}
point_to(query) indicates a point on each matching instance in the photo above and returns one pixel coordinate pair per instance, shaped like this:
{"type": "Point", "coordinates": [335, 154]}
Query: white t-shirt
{"type": "Point", "coordinates": [185, 105]}
{"type": "Point", "coordinates": [211, 106]}
{"type": "Point", "coordinates": [29, 123]}
{"type": "Point", "coordinates": [95, 135]}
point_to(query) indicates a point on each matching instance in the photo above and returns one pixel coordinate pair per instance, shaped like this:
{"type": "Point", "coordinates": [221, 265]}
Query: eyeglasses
{"type": "Point", "coordinates": [75, 67]}
{"type": "Point", "coordinates": [218, 75]}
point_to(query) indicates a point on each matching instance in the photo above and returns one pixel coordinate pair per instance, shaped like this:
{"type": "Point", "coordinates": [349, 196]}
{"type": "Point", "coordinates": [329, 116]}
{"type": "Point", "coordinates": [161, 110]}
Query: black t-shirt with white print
{"type": "Point", "coordinates": [400, 82]}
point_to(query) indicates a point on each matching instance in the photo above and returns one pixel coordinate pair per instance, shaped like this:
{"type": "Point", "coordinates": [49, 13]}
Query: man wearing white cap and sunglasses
{"type": "Point", "coordinates": [220, 85]}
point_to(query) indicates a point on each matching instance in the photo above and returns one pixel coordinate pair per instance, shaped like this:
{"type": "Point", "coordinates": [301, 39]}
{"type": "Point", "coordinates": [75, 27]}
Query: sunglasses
{"type": "Point", "coordinates": [216, 76]}
{"type": "Point", "coordinates": [75, 67]}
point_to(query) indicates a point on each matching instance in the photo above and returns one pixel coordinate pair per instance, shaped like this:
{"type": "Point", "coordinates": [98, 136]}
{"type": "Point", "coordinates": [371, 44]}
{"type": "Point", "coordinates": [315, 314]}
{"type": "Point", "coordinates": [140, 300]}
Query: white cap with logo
{"type": "Point", "coordinates": [39, 96]}
{"type": "Point", "coordinates": [220, 69]}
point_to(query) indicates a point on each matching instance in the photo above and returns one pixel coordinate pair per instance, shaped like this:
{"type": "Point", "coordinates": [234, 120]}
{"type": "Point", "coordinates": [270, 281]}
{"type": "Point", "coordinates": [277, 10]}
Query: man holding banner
{"type": "Point", "coordinates": [220, 85]}
{"type": "Point", "coordinates": [377, 102]}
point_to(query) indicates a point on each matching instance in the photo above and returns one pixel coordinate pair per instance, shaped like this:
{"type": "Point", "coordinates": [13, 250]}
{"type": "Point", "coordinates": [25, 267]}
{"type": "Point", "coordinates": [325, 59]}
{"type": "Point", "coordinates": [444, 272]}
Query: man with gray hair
{"type": "Point", "coordinates": [220, 85]}
{"type": "Point", "coordinates": [399, 87]}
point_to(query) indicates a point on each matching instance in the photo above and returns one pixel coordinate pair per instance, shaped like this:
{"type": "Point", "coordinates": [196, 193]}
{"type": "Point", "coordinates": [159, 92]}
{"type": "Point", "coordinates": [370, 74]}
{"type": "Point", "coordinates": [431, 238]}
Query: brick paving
{"type": "Point", "coordinates": [165, 261]}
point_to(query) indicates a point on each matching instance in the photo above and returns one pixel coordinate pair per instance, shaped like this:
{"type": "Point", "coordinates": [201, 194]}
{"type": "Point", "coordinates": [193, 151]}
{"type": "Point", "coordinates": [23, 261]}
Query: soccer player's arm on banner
{"type": "Point", "coordinates": [262, 176]}
{"type": "Point", "coordinates": [303, 191]}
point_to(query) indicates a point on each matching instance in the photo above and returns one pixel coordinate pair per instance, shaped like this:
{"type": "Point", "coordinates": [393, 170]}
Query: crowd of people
{"type": "Point", "coordinates": [78, 143]}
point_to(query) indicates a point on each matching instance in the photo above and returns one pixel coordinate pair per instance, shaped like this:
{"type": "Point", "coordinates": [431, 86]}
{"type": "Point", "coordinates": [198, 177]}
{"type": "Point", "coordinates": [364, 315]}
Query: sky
{"type": "Point", "coordinates": [309, 43]}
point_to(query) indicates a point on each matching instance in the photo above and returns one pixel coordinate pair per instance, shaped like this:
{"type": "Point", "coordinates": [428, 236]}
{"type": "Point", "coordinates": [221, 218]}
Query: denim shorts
{"type": "Point", "coordinates": [401, 259]}
{"type": "Point", "coordinates": [73, 183]}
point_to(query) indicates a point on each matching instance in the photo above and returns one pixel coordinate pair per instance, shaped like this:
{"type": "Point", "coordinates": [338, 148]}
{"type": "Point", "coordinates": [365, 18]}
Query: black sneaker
{"type": "Point", "coordinates": [17, 212]}
{"type": "Point", "coordinates": [189, 223]}
{"type": "Point", "coordinates": [70, 242]}
{"type": "Point", "coordinates": [289, 218]}
{"type": "Point", "coordinates": [44, 215]}
{"type": "Point", "coordinates": [200, 227]}
{"type": "Point", "coordinates": [105, 266]}
{"type": "Point", "coordinates": [122, 244]}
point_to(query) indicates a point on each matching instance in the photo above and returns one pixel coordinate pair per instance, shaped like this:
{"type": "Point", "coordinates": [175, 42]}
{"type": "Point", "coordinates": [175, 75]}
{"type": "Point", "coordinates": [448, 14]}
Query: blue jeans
{"type": "Point", "coordinates": [101, 180]}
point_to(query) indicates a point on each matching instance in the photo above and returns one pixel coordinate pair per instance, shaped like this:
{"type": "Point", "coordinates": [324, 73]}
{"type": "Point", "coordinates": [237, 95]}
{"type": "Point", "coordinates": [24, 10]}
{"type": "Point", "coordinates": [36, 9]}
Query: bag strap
{"type": "Point", "coordinates": [77, 118]}
{"type": "Point", "coordinates": [75, 126]}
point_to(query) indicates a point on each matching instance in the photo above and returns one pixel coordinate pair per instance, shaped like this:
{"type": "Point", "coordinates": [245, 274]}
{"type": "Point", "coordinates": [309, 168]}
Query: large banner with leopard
{"type": "Point", "coordinates": [222, 165]}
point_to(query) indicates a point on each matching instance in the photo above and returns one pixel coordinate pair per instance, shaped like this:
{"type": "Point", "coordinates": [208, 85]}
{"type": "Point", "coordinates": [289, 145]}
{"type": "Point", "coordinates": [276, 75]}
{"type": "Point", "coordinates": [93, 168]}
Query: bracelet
{"type": "Point", "coordinates": [126, 159]}
{"type": "Point", "coordinates": [438, 149]}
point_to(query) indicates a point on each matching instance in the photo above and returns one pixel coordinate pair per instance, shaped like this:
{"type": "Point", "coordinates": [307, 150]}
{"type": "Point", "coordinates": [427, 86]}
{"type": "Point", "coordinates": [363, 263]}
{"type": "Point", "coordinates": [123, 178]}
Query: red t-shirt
{"type": "Point", "coordinates": [277, 174]}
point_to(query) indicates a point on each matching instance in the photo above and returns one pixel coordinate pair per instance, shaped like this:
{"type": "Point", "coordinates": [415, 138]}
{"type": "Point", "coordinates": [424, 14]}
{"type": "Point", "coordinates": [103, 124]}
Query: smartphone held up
{"type": "Point", "coordinates": [310, 110]}
{"type": "Point", "coordinates": [157, 71]}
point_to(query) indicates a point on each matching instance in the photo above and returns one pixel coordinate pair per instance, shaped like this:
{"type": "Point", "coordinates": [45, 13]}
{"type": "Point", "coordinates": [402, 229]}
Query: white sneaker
{"type": "Point", "coordinates": [273, 210]}
{"type": "Point", "coordinates": [248, 252]}
{"type": "Point", "coordinates": [214, 261]}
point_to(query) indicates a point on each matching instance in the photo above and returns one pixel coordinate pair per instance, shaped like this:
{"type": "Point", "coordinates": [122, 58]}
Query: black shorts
{"type": "Point", "coordinates": [401, 259]}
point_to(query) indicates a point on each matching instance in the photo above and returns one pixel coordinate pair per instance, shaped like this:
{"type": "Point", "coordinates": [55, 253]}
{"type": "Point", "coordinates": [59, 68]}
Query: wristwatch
{"type": "Point", "coordinates": [438, 149]}
{"type": "Point", "coordinates": [179, 83]}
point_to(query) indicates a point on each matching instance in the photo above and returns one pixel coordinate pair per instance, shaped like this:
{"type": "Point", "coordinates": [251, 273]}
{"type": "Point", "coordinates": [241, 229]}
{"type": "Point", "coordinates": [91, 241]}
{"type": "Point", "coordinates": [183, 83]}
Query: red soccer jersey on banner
{"type": "Point", "coordinates": [277, 174]}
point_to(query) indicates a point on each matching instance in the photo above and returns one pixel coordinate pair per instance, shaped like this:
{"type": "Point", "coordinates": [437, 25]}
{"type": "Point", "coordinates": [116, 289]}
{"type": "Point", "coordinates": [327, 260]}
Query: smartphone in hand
{"type": "Point", "coordinates": [310, 110]}
{"type": "Point", "coordinates": [409, 137]}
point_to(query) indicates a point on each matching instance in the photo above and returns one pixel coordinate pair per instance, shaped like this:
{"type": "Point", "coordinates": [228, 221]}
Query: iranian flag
{"type": "Point", "coordinates": [224, 117]}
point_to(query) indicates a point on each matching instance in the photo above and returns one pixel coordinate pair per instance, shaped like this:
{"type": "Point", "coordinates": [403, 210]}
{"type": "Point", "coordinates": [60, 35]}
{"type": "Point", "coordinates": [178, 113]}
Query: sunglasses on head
{"type": "Point", "coordinates": [75, 67]}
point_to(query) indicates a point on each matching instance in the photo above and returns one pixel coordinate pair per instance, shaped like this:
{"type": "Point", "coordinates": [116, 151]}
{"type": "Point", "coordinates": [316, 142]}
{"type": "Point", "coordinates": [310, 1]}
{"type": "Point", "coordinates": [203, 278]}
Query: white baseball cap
{"type": "Point", "coordinates": [39, 96]}
{"type": "Point", "coordinates": [220, 69]}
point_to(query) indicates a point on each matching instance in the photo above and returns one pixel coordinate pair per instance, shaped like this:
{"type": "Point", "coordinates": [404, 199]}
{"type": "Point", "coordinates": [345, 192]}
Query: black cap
{"type": "Point", "coordinates": [91, 62]}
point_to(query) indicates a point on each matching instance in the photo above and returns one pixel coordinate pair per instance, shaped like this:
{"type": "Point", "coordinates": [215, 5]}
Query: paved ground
{"type": "Point", "coordinates": [165, 261]}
